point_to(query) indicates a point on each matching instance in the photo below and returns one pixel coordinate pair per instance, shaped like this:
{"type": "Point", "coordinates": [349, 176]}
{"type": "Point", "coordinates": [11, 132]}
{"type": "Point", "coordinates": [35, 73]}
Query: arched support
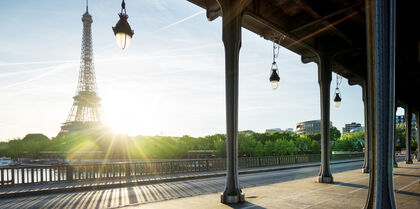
{"type": "Point", "coordinates": [380, 28]}
{"type": "Point", "coordinates": [368, 130]}
{"type": "Point", "coordinates": [408, 114]}
{"type": "Point", "coordinates": [324, 80]}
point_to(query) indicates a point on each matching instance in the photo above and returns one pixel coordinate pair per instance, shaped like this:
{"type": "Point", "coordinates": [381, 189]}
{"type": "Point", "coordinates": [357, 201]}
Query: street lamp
{"type": "Point", "coordinates": [122, 29]}
{"type": "Point", "coordinates": [337, 98]}
{"type": "Point", "coordinates": [274, 77]}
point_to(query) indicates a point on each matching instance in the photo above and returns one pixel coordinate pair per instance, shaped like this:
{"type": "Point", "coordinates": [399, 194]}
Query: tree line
{"type": "Point", "coordinates": [165, 147]}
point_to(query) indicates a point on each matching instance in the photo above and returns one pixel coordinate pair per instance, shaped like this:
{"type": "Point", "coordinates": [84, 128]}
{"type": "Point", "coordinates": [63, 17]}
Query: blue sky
{"type": "Point", "coordinates": [170, 80]}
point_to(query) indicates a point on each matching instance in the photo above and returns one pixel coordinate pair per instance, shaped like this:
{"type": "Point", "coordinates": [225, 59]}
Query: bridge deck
{"type": "Point", "coordinates": [348, 191]}
{"type": "Point", "coordinates": [85, 185]}
{"type": "Point", "coordinates": [293, 188]}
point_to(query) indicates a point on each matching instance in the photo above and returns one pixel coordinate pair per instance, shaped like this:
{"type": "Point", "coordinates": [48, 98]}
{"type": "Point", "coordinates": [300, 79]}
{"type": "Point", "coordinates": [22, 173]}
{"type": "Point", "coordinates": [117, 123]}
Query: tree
{"type": "Point", "coordinates": [334, 133]}
{"type": "Point", "coordinates": [315, 147]}
{"type": "Point", "coordinates": [246, 144]}
{"type": "Point", "coordinates": [220, 146]}
{"type": "Point", "coordinates": [269, 149]}
{"type": "Point", "coordinates": [350, 142]}
{"type": "Point", "coordinates": [315, 137]}
{"type": "Point", "coordinates": [400, 136]}
{"type": "Point", "coordinates": [303, 145]}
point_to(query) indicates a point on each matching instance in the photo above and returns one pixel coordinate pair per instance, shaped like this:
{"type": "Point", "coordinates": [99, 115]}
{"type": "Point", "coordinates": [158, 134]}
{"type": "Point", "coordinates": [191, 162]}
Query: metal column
{"type": "Point", "coordinates": [324, 80]}
{"type": "Point", "coordinates": [232, 21]}
{"type": "Point", "coordinates": [408, 115]}
{"type": "Point", "coordinates": [368, 140]}
{"type": "Point", "coordinates": [394, 144]}
{"type": "Point", "coordinates": [418, 134]}
{"type": "Point", "coordinates": [380, 28]}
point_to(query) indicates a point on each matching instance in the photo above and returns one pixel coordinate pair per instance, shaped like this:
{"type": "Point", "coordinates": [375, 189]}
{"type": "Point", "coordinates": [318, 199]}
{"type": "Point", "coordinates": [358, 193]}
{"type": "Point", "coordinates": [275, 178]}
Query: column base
{"type": "Point", "coordinates": [395, 165]}
{"type": "Point", "coordinates": [232, 199]}
{"type": "Point", "coordinates": [365, 170]}
{"type": "Point", "coordinates": [324, 179]}
{"type": "Point", "coordinates": [409, 162]}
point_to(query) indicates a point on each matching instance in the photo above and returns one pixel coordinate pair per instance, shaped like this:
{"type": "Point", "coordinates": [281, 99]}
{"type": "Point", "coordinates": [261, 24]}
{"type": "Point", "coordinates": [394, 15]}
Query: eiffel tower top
{"type": "Point", "coordinates": [86, 110]}
{"type": "Point", "coordinates": [86, 16]}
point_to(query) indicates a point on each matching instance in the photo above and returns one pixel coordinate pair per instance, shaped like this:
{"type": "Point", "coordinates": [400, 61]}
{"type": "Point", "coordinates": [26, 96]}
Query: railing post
{"type": "Point", "coordinates": [22, 170]}
{"type": "Point", "coordinates": [13, 176]}
{"type": "Point", "coordinates": [127, 170]}
{"type": "Point", "coordinates": [69, 176]}
{"type": "Point", "coordinates": [2, 176]}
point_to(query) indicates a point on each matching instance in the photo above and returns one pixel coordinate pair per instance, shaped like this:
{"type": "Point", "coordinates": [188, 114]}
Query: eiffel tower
{"type": "Point", "coordinates": [85, 114]}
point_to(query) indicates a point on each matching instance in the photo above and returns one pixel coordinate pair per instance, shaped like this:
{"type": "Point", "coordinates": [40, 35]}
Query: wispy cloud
{"type": "Point", "coordinates": [51, 70]}
{"type": "Point", "coordinates": [37, 63]}
{"type": "Point", "coordinates": [181, 21]}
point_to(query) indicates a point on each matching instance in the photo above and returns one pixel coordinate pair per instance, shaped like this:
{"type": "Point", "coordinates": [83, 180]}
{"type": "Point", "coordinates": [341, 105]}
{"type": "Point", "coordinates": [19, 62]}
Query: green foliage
{"type": "Point", "coordinates": [314, 137]}
{"type": "Point", "coordinates": [349, 142]}
{"type": "Point", "coordinates": [303, 145]}
{"type": "Point", "coordinates": [334, 133]}
{"type": "Point", "coordinates": [220, 146]}
{"type": "Point", "coordinates": [315, 147]}
{"type": "Point", "coordinates": [400, 136]}
{"type": "Point", "coordinates": [160, 147]}
{"type": "Point", "coordinates": [413, 144]}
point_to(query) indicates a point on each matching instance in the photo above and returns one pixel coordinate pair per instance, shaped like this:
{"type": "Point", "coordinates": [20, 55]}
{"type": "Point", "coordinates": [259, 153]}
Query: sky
{"type": "Point", "coordinates": [170, 81]}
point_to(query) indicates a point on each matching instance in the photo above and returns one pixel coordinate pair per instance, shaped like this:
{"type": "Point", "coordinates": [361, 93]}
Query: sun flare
{"type": "Point", "coordinates": [132, 117]}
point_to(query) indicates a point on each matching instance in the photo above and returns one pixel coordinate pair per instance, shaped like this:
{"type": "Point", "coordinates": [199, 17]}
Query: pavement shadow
{"type": "Point", "coordinates": [351, 185]}
{"type": "Point", "coordinates": [408, 193]}
{"type": "Point", "coordinates": [409, 167]}
{"type": "Point", "coordinates": [247, 205]}
{"type": "Point", "coordinates": [408, 175]}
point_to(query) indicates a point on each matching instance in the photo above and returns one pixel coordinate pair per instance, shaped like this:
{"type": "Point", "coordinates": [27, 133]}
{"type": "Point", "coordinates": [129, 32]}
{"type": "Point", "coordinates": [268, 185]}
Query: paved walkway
{"type": "Point", "coordinates": [52, 188]}
{"type": "Point", "coordinates": [141, 194]}
{"type": "Point", "coordinates": [348, 191]}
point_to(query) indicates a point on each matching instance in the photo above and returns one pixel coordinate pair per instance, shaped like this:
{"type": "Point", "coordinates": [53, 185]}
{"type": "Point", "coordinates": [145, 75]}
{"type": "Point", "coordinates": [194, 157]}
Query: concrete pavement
{"type": "Point", "coordinates": [348, 191]}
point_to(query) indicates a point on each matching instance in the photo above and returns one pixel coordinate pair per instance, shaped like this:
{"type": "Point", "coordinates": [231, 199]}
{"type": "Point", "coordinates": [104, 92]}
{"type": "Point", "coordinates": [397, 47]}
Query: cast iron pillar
{"type": "Point", "coordinates": [380, 28]}
{"type": "Point", "coordinates": [324, 80]}
{"type": "Point", "coordinates": [394, 144]}
{"type": "Point", "coordinates": [367, 153]}
{"type": "Point", "coordinates": [232, 20]}
{"type": "Point", "coordinates": [408, 115]}
{"type": "Point", "coordinates": [418, 134]}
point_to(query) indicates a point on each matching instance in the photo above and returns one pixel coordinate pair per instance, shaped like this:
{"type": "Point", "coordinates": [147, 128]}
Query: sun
{"type": "Point", "coordinates": [130, 115]}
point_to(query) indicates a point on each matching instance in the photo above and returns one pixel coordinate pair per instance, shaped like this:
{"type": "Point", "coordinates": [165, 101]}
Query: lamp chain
{"type": "Point", "coordinates": [275, 51]}
{"type": "Point", "coordinates": [338, 82]}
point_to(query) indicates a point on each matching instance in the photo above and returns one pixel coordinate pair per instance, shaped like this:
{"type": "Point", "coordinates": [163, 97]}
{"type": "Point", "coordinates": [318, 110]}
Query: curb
{"type": "Point", "coordinates": [145, 182]}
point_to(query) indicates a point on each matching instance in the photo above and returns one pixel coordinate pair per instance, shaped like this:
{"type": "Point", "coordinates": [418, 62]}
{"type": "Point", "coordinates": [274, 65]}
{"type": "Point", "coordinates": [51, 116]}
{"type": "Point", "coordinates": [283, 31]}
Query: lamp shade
{"type": "Point", "coordinates": [274, 79]}
{"type": "Point", "coordinates": [337, 100]}
{"type": "Point", "coordinates": [123, 32]}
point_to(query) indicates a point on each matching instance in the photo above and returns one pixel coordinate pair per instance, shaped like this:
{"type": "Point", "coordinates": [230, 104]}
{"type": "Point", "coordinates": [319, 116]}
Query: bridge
{"type": "Point", "coordinates": [289, 188]}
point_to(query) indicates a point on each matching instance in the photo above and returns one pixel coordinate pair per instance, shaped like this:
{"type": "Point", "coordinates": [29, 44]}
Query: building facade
{"type": "Point", "coordinates": [309, 127]}
{"type": "Point", "coordinates": [274, 130]}
{"type": "Point", "coordinates": [350, 126]}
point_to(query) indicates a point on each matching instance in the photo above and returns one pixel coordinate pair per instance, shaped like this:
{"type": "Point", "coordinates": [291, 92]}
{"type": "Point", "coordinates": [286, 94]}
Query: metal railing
{"type": "Point", "coordinates": [58, 173]}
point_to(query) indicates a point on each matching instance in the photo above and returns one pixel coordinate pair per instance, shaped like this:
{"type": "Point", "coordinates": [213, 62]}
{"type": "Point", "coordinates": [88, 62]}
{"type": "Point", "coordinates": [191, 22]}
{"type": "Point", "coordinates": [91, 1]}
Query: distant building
{"type": "Point", "coordinates": [248, 131]}
{"type": "Point", "coordinates": [350, 126]}
{"type": "Point", "coordinates": [274, 130]}
{"type": "Point", "coordinates": [400, 120]}
{"type": "Point", "coordinates": [358, 129]}
{"type": "Point", "coordinates": [309, 127]}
